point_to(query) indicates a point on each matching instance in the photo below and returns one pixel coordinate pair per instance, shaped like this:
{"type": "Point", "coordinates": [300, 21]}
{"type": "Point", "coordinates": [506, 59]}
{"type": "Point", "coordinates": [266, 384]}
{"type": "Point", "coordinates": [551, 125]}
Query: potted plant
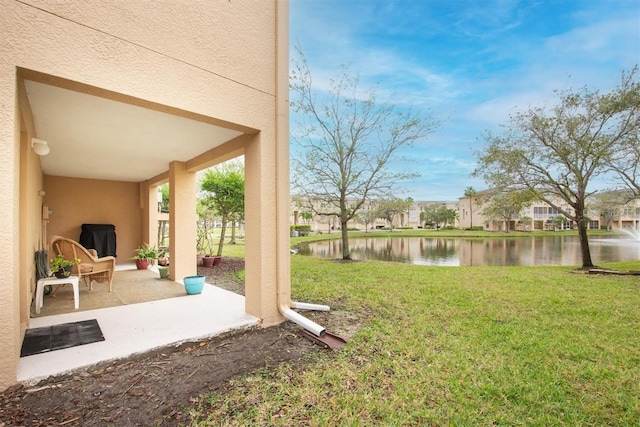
{"type": "Point", "coordinates": [61, 267]}
{"type": "Point", "coordinates": [163, 258]}
{"type": "Point", "coordinates": [145, 255]}
{"type": "Point", "coordinates": [164, 272]}
{"type": "Point", "coordinates": [207, 260]}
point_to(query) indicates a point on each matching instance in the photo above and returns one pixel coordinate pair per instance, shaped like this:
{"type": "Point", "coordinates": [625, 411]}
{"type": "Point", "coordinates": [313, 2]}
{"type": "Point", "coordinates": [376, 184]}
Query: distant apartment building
{"type": "Point", "coordinates": [542, 216]}
{"type": "Point", "coordinates": [302, 213]}
{"type": "Point", "coordinates": [628, 217]}
{"type": "Point", "coordinates": [538, 216]}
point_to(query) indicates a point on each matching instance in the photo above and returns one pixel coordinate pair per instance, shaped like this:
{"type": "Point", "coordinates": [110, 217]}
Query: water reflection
{"type": "Point", "coordinates": [525, 251]}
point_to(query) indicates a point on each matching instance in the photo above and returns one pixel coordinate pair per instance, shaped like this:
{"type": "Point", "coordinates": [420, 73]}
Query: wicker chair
{"type": "Point", "coordinates": [90, 267]}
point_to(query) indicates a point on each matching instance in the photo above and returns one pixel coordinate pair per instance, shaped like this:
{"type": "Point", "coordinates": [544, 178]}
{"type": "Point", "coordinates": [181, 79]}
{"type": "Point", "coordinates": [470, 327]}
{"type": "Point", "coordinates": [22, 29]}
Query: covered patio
{"type": "Point", "coordinates": [100, 111]}
{"type": "Point", "coordinates": [133, 328]}
{"type": "Point", "coordinates": [130, 286]}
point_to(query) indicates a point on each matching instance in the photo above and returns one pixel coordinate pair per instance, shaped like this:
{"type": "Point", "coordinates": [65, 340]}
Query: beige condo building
{"type": "Point", "coordinates": [128, 97]}
{"type": "Point", "coordinates": [537, 216]}
{"type": "Point", "coordinates": [541, 216]}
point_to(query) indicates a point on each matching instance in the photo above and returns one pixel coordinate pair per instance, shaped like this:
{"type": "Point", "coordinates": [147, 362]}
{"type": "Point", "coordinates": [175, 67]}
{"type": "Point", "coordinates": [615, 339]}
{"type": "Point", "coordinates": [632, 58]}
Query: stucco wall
{"type": "Point", "coordinates": [31, 226]}
{"type": "Point", "coordinates": [213, 58]}
{"type": "Point", "coordinates": [74, 202]}
{"type": "Point", "coordinates": [9, 213]}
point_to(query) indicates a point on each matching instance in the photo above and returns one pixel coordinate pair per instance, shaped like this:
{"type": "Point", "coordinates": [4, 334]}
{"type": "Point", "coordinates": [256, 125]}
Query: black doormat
{"type": "Point", "coordinates": [57, 337]}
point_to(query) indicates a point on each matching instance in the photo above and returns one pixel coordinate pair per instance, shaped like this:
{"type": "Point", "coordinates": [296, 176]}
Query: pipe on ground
{"type": "Point", "coordinates": [307, 306]}
{"type": "Point", "coordinates": [299, 319]}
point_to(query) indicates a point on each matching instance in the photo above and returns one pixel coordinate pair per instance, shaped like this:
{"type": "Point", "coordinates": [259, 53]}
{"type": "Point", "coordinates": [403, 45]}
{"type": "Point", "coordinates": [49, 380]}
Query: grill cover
{"type": "Point", "coordinates": [101, 237]}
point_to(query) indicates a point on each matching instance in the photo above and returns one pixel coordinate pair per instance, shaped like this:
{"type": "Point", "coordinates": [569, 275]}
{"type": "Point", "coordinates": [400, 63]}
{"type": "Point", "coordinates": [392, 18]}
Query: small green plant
{"type": "Point", "coordinates": [147, 252]}
{"type": "Point", "coordinates": [61, 263]}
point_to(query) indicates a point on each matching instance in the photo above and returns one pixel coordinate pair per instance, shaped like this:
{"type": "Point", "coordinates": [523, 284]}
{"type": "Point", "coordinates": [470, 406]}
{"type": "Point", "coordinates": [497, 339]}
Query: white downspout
{"type": "Point", "coordinates": [303, 321]}
{"type": "Point", "coordinates": [282, 177]}
{"type": "Point", "coordinates": [306, 323]}
{"type": "Point", "coordinates": [307, 306]}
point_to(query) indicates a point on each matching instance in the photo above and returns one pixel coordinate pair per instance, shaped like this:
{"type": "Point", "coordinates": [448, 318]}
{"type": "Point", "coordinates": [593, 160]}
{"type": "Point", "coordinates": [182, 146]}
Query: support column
{"type": "Point", "coordinates": [152, 227]}
{"type": "Point", "coordinates": [261, 255]}
{"type": "Point", "coordinates": [267, 258]}
{"type": "Point", "coordinates": [182, 221]}
{"type": "Point", "coordinates": [148, 204]}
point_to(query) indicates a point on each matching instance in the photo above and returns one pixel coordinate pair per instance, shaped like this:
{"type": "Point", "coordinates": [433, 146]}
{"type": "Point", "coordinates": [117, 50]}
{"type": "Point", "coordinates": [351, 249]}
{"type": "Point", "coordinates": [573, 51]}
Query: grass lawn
{"type": "Point", "coordinates": [464, 346]}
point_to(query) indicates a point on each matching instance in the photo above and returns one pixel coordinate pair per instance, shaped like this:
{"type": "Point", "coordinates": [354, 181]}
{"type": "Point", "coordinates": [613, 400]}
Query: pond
{"type": "Point", "coordinates": [449, 251]}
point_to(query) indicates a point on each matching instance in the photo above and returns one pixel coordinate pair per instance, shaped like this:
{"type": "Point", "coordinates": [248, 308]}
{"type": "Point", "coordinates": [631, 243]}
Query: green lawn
{"type": "Point", "coordinates": [463, 346]}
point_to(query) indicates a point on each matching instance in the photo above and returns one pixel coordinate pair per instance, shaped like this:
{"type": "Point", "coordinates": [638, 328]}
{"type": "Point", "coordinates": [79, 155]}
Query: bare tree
{"type": "Point", "coordinates": [556, 152]}
{"type": "Point", "coordinates": [367, 217]}
{"type": "Point", "coordinates": [505, 206]}
{"type": "Point", "coordinates": [389, 208]}
{"type": "Point", "coordinates": [343, 143]}
{"type": "Point", "coordinates": [609, 204]}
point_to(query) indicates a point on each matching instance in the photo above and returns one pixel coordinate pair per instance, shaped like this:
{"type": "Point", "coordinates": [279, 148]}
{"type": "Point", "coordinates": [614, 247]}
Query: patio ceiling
{"type": "Point", "coordinates": [98, 138]}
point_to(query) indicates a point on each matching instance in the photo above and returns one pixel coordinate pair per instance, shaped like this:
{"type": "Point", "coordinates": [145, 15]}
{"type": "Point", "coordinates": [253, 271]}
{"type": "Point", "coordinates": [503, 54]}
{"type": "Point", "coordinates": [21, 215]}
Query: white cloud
{"type": "Point", "coordinates": [473, 62]}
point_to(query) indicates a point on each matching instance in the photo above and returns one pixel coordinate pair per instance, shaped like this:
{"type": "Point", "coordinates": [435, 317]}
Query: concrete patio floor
{"type": "Point", "coordinates": [138, 328]}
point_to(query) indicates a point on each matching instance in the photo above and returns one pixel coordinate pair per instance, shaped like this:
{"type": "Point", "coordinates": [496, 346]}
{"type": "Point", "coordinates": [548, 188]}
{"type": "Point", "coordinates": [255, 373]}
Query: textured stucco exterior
{"type": "Point", "coordinates": [216, 61]}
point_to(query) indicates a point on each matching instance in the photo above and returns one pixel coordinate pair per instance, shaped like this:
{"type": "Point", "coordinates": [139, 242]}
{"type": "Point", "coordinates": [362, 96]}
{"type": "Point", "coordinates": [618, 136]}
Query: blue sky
{"type": "Point", "coordinates": [468, 63]}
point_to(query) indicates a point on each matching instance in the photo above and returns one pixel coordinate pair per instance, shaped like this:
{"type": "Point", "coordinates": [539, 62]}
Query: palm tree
{"type": "Point", "coordinates": [470, 192]}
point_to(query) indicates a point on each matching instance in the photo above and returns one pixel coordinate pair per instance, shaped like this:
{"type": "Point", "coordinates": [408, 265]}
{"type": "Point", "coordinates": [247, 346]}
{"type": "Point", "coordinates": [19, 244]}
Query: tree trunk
{"type": "Point", "coordinates": [223, 230]}
{"type": "Point", "coordinates": [233, 233]}
{"type": "Point", "coordinates": [346, 252]}
{"type": "Point", "coordinates": [584, 242]}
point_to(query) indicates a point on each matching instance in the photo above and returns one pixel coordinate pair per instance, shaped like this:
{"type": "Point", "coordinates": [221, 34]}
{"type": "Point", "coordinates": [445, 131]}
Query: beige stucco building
{"type": "Point", "coordinates": [540, 216]}
{"type": "Point", "coordinates": [129, 97]}
{"type": "Point", "coordinates": [325, 224]}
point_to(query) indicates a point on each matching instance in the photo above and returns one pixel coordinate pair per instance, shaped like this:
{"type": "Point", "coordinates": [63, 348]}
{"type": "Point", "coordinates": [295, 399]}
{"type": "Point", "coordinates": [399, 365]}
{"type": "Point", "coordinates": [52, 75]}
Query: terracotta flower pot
{"type": "Point", "coordinates": [207, 261]}
{"type": "Point", "coordinates": [142, 264]}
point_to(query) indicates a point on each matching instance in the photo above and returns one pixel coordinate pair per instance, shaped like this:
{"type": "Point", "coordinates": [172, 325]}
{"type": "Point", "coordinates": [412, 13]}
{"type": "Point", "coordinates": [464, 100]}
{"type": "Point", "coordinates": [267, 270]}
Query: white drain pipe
{"type": "Point", "coordinates": [306, 323]}
{"type": "Point", "coordinates": [282, 171]}
{"type": "Point", "coordinates": [307, 306]}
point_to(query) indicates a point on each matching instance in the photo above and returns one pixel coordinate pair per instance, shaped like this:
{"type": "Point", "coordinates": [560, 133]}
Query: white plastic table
{"type": "Point", "coordinates": [73, 280]}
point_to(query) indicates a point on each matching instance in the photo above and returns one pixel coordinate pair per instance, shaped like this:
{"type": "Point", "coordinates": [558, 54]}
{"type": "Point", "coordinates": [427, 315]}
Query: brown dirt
{"type": "Point", "coordinates": [156, 388]}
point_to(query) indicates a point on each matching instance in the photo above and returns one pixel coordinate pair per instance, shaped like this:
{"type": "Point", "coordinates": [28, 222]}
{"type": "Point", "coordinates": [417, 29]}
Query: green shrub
{"type": "Point", "coordinates": [303, 230]}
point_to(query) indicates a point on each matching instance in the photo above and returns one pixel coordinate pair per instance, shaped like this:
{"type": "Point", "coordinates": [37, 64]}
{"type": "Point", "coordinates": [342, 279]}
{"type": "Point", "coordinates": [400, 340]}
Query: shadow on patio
{"type": "Point", "coordinates": [156, 315]}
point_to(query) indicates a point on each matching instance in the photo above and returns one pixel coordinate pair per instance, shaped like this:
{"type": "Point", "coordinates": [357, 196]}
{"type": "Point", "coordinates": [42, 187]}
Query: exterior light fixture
{"type": "Point", "coordinates": [40, 147]}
